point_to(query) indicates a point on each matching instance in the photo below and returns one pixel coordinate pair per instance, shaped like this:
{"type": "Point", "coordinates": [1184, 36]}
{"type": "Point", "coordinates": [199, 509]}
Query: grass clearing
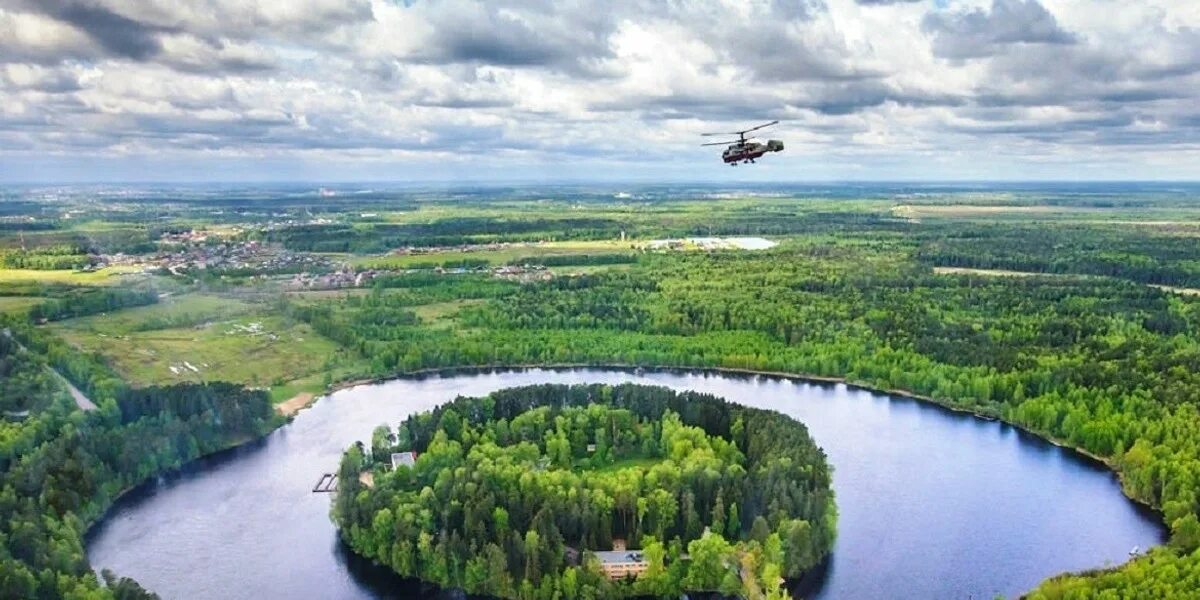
{"type": "Point", "coordinates": [171, 313]}
{"type": "Point", "coordinates": [440, 315]}
{"type": "Point", "coordinates": [105, 276]}
{"type": "Point", "coordinates": [991, 272]}
{"type": "Point", "coordinates": [621, 465]}
{"type": "Point", "coordinates": [18, 303]}
{"type": "Point", "coordinates": [1182, 291]}
{"type": "Point", "coordinates": [252, 349]}
{"type": "Point", "coordinates": [316, 296]}
{"type": "Point", "coordinates": [1177, 290]}
{"type": "Point", "coordinates": [498, 256]}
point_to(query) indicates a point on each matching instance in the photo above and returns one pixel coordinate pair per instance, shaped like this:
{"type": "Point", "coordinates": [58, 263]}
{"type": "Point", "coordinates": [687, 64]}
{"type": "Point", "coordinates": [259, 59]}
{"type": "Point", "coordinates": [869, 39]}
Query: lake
{"type": "Point", "coordinates": [932, 504]}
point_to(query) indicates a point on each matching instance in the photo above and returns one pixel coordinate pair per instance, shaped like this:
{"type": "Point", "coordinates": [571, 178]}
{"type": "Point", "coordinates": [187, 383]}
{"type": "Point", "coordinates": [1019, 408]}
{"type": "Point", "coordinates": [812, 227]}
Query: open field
{"type": "Point", "coordinates": [106, 276]}
{"type": "Point", "coordinates": [992, 272]}
{"type": "Point", "coordinates": [252, 349]}
{"type": "Point", "coordinates": [440, 315]}
{"type": "Point", "coordinates": [499, 256]}
{"type": "Point", "coordinates": [17, 303]}
{"type": "Point", "coordinates": [1183, 219]}
{"type": "Point", "coordinates": [1177, 290]}
{"type": "Point", "coordinates": [1004, 273]}
{"type": "Point", "coordinates": [171, 312]}
{"type": "Point", "coordinates": [317, 296]}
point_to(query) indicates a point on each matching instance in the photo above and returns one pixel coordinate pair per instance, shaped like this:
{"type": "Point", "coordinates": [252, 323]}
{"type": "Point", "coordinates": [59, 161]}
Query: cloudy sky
{"type": "Point", "coordinates": [225, 90]}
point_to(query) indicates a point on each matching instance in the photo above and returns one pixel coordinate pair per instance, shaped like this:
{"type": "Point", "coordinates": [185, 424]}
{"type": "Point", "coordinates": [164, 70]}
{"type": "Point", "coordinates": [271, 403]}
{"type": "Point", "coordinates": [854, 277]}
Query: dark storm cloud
{"type": "Point", "coordinates": [460, 102]}
{"type": "Point", "coordinates": [214, 60]}
{"type": "Point", "coordinates": [978, 33]}
{"type": "Point", "coordinates": [716, 105]}
{"type": "Point", "coordinates": [538, 34]}
{"type": "Point", "coordinates": [833, 98]}
{"type": "Point", "coordinates": [116, 33]}
{"type": "Point", "coordinates": [802, 10]}
{"type": "Point", "coordinates": [776, 54]}
{"type": "Point", "coordinates": [1039, 128]}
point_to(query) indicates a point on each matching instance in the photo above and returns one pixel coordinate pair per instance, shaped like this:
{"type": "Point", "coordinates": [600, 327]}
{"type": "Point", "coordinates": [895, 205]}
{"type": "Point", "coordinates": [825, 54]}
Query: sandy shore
{"type": "Point", "coordinates": [293, 405]}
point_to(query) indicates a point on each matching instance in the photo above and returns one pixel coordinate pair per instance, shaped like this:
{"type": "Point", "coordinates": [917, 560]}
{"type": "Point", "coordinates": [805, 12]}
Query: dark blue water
{"type": "Point", "coordinates": [932, 504]}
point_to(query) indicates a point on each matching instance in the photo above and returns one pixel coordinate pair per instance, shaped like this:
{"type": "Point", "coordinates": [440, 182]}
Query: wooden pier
{"type": "Point", "coordinates": [327, 483]}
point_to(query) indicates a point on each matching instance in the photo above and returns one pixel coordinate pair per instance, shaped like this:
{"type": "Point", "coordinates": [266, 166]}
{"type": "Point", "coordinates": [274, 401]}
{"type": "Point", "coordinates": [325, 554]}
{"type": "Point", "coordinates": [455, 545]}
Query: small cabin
{"type": "Point", "coordinates": [407, 459]}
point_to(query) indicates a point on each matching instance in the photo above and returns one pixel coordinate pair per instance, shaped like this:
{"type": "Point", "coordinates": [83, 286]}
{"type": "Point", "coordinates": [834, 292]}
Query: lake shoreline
{"type": "Point", "coordinates": [746, 375]}
{"type": "Point", "coordinates": [296, 403]}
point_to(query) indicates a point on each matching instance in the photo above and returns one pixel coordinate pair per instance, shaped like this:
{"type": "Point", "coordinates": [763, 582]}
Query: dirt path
{"type": "Point", "coordinates": [81, 400]}
{"type": "Point", "coordinates": [1004, 273]}
{"type": "Point", "coordinates": [293, 405]}
{"type": "Point", "coordinates": [1177, 290]}
{"type": "Point", "coordinates": [990, 272]}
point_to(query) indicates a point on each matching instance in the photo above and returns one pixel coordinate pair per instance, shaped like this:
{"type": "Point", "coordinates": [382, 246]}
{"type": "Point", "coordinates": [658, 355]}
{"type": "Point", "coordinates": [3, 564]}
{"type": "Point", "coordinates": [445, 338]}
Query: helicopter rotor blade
{"type": "Point", "coordinates": [720, 143]}
{"type": "Point", "coordinates": [761, 126]}
{"type": "Point", "coordinates": [743, 132]}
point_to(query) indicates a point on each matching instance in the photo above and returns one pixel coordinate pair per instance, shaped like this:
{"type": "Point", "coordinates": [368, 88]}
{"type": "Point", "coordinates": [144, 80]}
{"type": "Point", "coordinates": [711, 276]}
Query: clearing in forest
{"type": "Point", "coordinates": [202, 338]}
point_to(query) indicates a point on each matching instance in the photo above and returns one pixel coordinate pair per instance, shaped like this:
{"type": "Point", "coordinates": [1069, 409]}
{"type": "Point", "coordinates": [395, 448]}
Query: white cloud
{"type": "Point", "coordinates": [911, 89]}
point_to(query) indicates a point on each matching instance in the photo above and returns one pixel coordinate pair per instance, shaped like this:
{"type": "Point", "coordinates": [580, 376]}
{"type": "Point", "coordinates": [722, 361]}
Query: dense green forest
{"type": "Point", "coordinates": [446, 232]}
{"type": "Point", "coordinates": [1104, 364]}
{"type": "Point", "coordinates": [79, 303]}
{"type": "Point", "coordinates": [61, 468]}
{"type": "Point", "coordinates": [1084, 349]}
{"type": "Point", "coordinates": [508, 487]}
{"type": "Point", "coordinates": [60, 257]}
{"type": "Point", "coordinates": [1146, 257]}
{"type": "Point", "coordinates": [25, 383]}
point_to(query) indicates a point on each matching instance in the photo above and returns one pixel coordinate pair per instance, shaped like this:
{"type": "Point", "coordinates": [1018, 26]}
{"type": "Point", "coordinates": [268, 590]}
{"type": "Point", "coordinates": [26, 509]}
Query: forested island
{"type": "Point", "coordinates": [526, 492]}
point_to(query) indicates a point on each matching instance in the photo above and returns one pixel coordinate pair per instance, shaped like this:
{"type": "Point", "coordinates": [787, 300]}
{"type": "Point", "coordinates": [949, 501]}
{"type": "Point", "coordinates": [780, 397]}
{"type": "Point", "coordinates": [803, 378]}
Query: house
{"type": "Point", "coordinates": [620, 563]}
{"type": "Point", "coordinates": [407, 459]}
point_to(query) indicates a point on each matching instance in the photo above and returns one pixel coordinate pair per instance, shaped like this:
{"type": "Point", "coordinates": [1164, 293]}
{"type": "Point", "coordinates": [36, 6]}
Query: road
{"type": "Point", "coordinates": [81, 400]}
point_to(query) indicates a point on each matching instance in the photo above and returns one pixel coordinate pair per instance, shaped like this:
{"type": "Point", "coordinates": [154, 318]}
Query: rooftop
{"type": "Point", "coordinates": [407, 459]}
{"type": "Point", "coordinates": [618, 556]}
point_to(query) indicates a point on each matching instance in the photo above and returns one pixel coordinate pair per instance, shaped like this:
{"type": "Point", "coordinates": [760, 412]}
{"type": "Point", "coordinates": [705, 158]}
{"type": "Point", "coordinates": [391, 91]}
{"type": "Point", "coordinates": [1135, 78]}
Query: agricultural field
{"type": "Point", "coordinates": [504, 254]}
{"type": "Point", "coordinates": [105, 276]}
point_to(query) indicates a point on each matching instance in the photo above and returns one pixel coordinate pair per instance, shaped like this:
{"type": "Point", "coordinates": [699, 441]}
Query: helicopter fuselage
{"type": "Point", "coordinates": [748, 151]}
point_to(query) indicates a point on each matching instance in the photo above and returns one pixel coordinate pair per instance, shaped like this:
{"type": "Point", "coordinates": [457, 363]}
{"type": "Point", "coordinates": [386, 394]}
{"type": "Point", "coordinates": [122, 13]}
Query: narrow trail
{"type": "Point", "coordinates": [81, 400]}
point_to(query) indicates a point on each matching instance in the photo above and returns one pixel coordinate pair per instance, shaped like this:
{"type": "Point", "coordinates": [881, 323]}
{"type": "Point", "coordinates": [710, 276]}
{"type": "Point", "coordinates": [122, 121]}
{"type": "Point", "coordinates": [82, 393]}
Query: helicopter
{"type": "Point", "coordinates": [744, 151]}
